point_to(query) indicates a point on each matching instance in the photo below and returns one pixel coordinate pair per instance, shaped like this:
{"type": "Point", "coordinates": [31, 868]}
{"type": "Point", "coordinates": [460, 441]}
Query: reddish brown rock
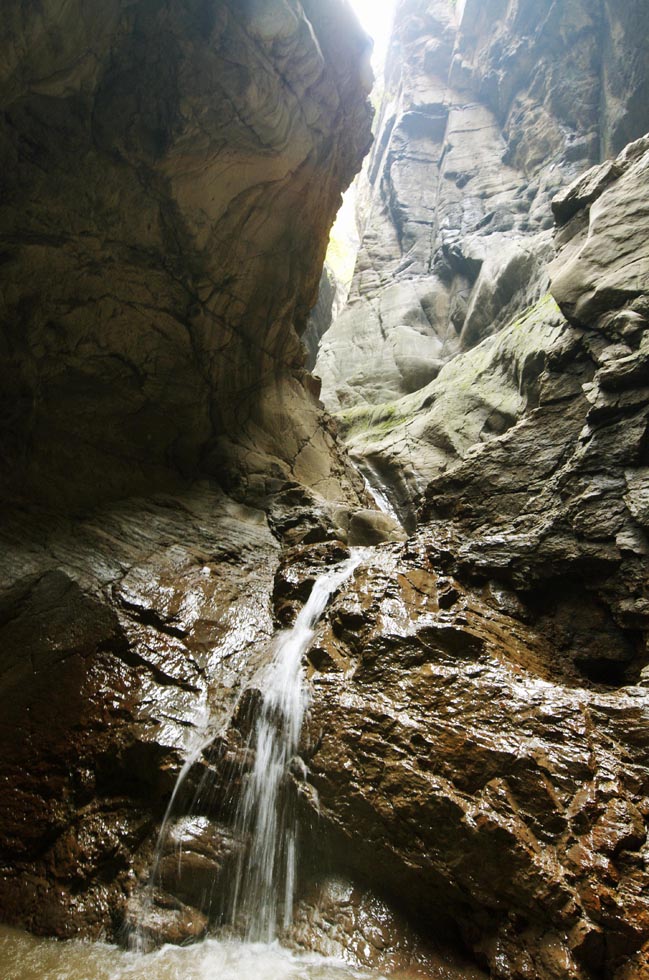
{"type": "Point", "coordinates": [118, 631]}
{"type": "Point", "coordinates": [336, 918]}
{"type": "Point", "coordinates": [460, 763]}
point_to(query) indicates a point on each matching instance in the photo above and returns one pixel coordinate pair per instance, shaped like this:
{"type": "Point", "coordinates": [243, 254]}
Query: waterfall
{"type": "Point", "coordinates": [260, 894]}
{"type": "Point", "coordinates": [265, 881]}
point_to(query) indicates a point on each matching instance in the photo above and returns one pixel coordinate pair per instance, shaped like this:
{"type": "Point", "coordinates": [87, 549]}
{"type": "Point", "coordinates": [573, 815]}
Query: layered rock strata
{"type": "Point", "coordinates": [502, 689]}
{"type": "Point", "coordinates": [488, 110]}
{"type": "Point", "coordinates": [170, 172]}
{"type": "Point", "coordinates": [561, 496]}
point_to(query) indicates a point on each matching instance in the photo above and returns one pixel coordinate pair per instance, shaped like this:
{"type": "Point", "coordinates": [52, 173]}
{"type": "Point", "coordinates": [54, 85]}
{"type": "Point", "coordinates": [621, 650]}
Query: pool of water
{"type": "Point", "coordinates": [25, 957]}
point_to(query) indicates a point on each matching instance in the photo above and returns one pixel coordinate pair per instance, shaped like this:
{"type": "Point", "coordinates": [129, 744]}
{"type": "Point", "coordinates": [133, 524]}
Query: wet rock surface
{"type": "Point", "coordinates": [459, 763]}
{"type": "Point", "coordinates": [117, 634]}
{"type": "Point", "coordinates": [161, 919]}
{"type": "Point", "coordinates": [337, 918]}
{"type": "Point", "coordinates": [197, 856]}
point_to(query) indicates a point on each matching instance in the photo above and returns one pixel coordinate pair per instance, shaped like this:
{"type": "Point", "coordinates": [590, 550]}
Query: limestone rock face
{"type": "Point", "coordinates": [169, 176]}
{"type": "Point", "coordinates": [476, 397]}
{"type": "Point", "coordinates": [560, 495]}
{"type": "Point", "coordinates": [170, 172]}
{"type": "Point", "coordinates": [600, 278]}
{"type": "Point", "coordinates": [488, 110]}
{"type": "Point", "coordinates": [321, 316]}
{"type": "Point", "coordinates": [476, 752]}
{"type": "Point", "coordinates": [479, 694]}
{"type": "Point", "coordinates": [117, 633]}
{"type": "Point", "coordinates": [461, 763]}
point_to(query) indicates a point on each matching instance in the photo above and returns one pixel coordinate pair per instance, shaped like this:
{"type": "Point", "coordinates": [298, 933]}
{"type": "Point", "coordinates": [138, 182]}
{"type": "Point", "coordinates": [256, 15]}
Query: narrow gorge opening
{"type": "Point", "coordinates": [198, 668]}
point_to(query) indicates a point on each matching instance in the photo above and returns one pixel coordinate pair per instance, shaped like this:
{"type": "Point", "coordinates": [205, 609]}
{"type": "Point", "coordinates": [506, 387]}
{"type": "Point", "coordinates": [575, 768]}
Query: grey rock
{"type": "Point", "coordinates": [485, 116]}
{"type": "Point", "coordinates": [149, 187]}
{"type": "Point", "coordinates": [604, 266]}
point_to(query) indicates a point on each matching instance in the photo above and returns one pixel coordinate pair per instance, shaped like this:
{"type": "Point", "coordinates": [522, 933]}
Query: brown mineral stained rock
{"type": "Point", "coordinates": [462, 769]}
{"type": "Point", "coordinates": [472, 737]}
{"type": "Point", "coordinates": [170, 173]}
{"type": "Point", "coordinates": [198, 857]}
{"type": "Point", "coordinates": [296, 575]}
{"type": "Point", "coordinates": [161, 919]}
{"type": "Point", "coordinates": [117, 631]}
{"type": "Point", "coordinates": [336, 918]}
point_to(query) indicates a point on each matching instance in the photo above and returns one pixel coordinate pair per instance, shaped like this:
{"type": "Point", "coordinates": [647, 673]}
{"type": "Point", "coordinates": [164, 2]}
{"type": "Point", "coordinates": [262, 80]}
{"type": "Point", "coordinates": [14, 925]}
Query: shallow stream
{"type": "Point", "coordinates": [24, 957]}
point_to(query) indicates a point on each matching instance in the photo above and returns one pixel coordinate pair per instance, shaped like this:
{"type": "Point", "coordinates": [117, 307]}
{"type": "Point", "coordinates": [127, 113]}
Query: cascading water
{"type": "Point", "coordinates": [138, 938]}
{"type": "Point", "coordinates": [262, 888]}
{"type": "Point", "coordinates": [265, 881]}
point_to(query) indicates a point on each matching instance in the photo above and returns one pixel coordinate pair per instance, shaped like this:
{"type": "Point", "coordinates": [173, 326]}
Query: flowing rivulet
{"type": "Point", "coordinates": [265, 881]}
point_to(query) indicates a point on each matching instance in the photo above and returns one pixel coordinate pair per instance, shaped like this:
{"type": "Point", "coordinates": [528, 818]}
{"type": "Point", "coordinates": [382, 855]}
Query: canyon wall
{"type": "Point", "coordinates": [157, 160]}
{"type": "Point", "coordinates": [491, 675]}
{"type": "Point", "coordinates": [170, 171]}
{"type": "Point", "coordinates": [476, 749]}
{"type": "Point", "coordinates": [490, 376]}
{"type": "Point", "coordinates": [489, 109]}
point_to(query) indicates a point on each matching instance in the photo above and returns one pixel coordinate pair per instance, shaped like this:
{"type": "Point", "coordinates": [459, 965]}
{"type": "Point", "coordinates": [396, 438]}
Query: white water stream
{"type": "Point", "coordinates": [24, 957]}
{"type": "Point", "coordinates": [265, 882]}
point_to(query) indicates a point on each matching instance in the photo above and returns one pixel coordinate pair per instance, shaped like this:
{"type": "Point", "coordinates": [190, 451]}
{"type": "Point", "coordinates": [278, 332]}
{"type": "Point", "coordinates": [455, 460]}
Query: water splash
{"type": "Point", "coordinates": [266, 876]}
{"type": "Point", "coordinates": [25, 957]}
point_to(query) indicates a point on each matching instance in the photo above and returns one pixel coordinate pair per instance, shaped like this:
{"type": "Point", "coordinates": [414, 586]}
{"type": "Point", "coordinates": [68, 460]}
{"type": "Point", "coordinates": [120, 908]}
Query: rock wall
{"type": "Point", "coordinates": [170, 171]}
{"type": "Point", "coordinates": [489, 374]}
{"type": "Point", "coordinates": [480, 693]}
{"type": "Point", "coordinates": [460, 760]}
{"type": "Point", "coordinates": [476, 750]}
{"type": "Point", "coordinates": [489, 108]}
{"type": "Point", "coordinates": [118, 633]}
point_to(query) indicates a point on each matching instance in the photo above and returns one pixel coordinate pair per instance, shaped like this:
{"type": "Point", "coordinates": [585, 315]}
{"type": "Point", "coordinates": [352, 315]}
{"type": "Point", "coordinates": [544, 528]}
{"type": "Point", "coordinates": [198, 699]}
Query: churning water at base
{"type": "Point", "coordinates": [266, 877]}
{"type": "Point", "coordinates": [24, 957]}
